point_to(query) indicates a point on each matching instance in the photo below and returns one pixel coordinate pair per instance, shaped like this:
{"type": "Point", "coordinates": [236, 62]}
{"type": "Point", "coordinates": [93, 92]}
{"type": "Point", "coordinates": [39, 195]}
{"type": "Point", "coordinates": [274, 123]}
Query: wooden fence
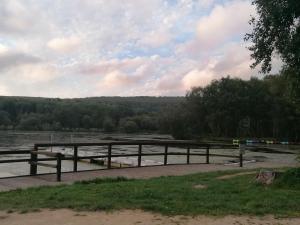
{"type": "Point", "coordinates": [34, 161]}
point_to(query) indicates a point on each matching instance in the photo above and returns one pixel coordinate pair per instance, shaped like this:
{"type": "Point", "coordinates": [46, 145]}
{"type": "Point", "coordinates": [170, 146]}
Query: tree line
{"type": "Point", "coordinates": [108, 114]}
{"type": "Point", "coordinates": [238, 108]}
{"type": "Point", "coordinates": [228, 107]}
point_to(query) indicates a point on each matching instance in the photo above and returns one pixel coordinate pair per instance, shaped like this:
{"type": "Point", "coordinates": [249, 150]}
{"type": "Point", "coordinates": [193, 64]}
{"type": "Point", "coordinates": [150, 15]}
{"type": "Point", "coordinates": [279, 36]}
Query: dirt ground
{"type": "Point", "coordinates": [132, 217]}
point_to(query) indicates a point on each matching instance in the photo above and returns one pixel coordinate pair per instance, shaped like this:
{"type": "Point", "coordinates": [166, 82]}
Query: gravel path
{"type": "Point", "coordinates": [142, 172]}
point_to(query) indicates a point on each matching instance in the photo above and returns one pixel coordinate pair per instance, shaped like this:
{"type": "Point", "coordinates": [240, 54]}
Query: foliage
{"type": "Point", "coordinates": [128, 126]}
{"type": "Point", "coordinates": [167, 195]}
{"type": "Point", "coordinates": [225, 108]}
{"type": "Point", "coordinates": [102, 113]}
{"type": "Point", "coordinates": [30, 122]}
{"type": "Point", "coordinates": [276, 30]}
{"type": "Point", "coordinates": [177, 122]}
{"type": "Point", "coordinates": [289, 179]}
{"type": "Point", "coordinates": [4, 118]}
{"type": "Point", "coordinates": [108, 125]}
{"type": "Point", "coordinates": [238, 108]}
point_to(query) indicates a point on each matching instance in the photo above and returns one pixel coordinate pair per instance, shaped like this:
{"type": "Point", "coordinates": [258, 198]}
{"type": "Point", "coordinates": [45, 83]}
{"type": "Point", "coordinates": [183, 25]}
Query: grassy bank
{"type": "Point", "coordinates": [167, 195]}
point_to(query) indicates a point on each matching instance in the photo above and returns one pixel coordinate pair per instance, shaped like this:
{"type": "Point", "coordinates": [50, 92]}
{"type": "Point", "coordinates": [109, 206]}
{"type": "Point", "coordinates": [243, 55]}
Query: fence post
{"type": "Point", "coordinates": [109, 157]}
{"type": "Point", "coordinates": [207, 154]}
{"type": "Point", "coordinates": [75, 159]}
{"type": "Point", "coordinates": [242, 151]}
{"type": "Point", "coordinates": [241, 160]}
{"type": "Point", "coordinates": [140, 156]}
{"type": "Point", "coordinates": [188, 155]}
{"type": "Point", "coordinates": [33, 158]}
{"type": "Point", "coordinates": [58, 169]}
{"type": "Point", "coordinates": [166, 155]}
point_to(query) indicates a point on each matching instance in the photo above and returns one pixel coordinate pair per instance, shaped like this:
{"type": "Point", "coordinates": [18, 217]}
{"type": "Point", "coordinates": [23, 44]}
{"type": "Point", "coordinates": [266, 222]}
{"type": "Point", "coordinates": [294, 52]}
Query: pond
{"type": "Point", "coordinates": [16, 140]}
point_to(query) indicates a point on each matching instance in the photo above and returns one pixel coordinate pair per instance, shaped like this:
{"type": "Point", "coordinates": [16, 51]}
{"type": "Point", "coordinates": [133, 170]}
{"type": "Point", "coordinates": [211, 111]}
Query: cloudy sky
{"type": "Point", "coordinates": [80, 48]}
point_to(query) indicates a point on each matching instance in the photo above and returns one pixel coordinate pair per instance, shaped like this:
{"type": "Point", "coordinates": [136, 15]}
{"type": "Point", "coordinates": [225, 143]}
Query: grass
{"type": "Point", "coordinates": [167, 195]}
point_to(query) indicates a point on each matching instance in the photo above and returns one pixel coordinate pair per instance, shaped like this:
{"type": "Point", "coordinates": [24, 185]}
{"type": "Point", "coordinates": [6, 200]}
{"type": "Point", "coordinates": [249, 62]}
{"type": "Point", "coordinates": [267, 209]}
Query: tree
{"type": "Point", "coordinates": [108, 125]}
{"type": "Point", "coordinates": [30, 122]}
{"type": "Point", "coordinates": [128, 126]}
{"type": "Point", "coordinates": [4, 119]}
{"type": "Point", "coordinates": [276, 30]}
{"type": "Point", "coordinates": [87, 122]}
{"type": "Point", "coordinates": [234, 107]}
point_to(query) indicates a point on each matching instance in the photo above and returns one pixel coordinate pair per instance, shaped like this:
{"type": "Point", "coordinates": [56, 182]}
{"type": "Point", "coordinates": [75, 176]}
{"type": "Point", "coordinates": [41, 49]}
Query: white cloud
{"type": "Point", "coordinates": [223, 23]}
{"type": "Point", "coordinates": [138, 66]}
{"type": "Point", "coordinates": [156, 39]}
{"type": "Point", "coordinates": [116, 79]}
{"type": "Point", "coordinates": [13, 17]}
{"type": "Point", "coordinates": [3, 49]}
{"type": "Point", "coordinates": [130, 47]}
{"type": "Point", "coordinates": [233, 59]}
{"type": "Point", "coordinates": [4, 90]}
{"type": "Point", "coordinates": [37, 73]}
{"type": "Point", "coordinates": [197, 78]}
{"type": "Point", "coordinates": [30, 74]}
{"type": "Point", "coordinates": [64, 44]}
{"type": "Point", "coordinates": [10, 59]}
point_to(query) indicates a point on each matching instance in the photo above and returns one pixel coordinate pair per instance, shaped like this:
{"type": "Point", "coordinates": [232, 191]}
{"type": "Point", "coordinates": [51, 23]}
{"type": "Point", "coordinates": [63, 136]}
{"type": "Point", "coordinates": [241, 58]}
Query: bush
{"type": "Point", "coordinates": [289, 179]}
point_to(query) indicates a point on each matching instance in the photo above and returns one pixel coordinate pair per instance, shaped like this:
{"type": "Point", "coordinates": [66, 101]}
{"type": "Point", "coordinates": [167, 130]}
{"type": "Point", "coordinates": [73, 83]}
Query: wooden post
{"type": "Point", "coordinates": [140, 156]}
{"type": "Point", "coordinates": [241, 159]}
{"type": "Point", "coordinates": [207, 154]}
{"type": "Point", "coordinates": [188, 155]}
{"type": "Point", "coordinates": [166, 155]}
{"type": "Point", "coordinates": [109, 157]}
{"type": "Point", "coordinates": [242, 151]}
{"type": "Point", "coordinates": [58, 168]}
{"type": "Point", "coordinates": [75, 159]}
{"type": "Point", "coordinates": [33, 158]}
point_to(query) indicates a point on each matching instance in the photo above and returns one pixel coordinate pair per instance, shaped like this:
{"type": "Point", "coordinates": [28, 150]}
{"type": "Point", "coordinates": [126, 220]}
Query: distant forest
{"type": "Point", "coordinates": [108, 114]}
{"type": "Point", "coordinates": [226, 108]}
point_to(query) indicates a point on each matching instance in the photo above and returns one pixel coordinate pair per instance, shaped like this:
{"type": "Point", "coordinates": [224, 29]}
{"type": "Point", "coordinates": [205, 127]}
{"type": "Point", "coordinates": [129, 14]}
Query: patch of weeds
{"type": "Point", "coordinates": [288, 179]}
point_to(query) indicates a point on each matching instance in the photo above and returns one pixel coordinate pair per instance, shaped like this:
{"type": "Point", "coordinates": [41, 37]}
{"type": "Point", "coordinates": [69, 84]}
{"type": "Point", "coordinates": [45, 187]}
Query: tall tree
{"type": "Point", "coordinates": [276, 30]}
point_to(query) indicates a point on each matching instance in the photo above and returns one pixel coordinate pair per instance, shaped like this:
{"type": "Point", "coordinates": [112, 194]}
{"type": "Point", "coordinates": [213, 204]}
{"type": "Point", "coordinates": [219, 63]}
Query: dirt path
{"type": "Point", "coordinates": [131, 217]}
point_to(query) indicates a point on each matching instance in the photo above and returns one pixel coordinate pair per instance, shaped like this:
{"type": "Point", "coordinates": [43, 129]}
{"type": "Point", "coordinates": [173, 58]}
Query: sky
{"type": "Point", "coordinates": [83, 48]}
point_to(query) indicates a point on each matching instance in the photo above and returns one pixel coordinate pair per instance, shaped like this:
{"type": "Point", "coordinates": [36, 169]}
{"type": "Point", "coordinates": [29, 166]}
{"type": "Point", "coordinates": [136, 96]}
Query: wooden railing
{"type": "Point", "coordinates": [34, 161]}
